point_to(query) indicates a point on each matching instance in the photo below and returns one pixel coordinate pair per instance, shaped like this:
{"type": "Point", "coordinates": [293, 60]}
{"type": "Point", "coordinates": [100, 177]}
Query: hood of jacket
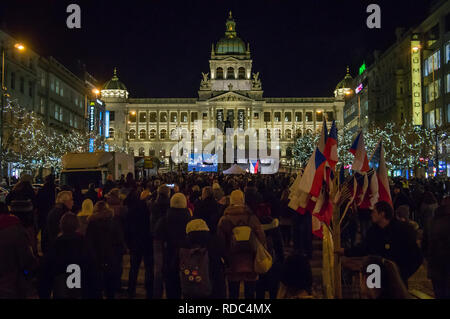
{"type": "Point", "coordinates": [7, 220]}
{"type": "Point", "coordinates": [105, 214]}
{"type": "Point", "coordinates": [236, 210]}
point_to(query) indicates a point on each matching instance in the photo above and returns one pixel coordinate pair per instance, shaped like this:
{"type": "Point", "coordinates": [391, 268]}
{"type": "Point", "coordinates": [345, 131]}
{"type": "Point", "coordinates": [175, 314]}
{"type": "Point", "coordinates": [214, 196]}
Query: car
{"type": "Point", "coordinates": [3, 193]}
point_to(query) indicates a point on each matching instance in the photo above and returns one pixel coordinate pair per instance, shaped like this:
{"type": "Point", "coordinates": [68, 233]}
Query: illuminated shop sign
{"type": "Point", "coordinates": [359, 88]}
{"type": "Point", "coordinates": [106, 124]}
{"type": "Point", "coordinates": [416, 83]}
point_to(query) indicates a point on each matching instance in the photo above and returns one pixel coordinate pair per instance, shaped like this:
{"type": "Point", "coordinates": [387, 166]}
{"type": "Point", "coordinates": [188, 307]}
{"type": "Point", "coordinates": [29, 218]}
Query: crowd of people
{"type": "Point", "coordinates": [196, 233]}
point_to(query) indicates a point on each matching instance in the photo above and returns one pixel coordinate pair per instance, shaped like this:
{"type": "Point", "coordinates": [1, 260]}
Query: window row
{"type": "Point", "coordinates": [298, 116]}
{"type": "Point", "coordinates": [288, 134]}
{"type": "Point", "coordinates": [230, 74]}
{"type": "Point", "coordinates": [277, 116]}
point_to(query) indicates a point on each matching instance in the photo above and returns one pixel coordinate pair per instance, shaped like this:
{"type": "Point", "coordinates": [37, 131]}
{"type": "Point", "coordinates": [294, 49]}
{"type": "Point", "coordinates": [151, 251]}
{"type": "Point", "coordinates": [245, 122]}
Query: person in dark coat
{"type": "Point", "coordinates": [64, 204]}
{"type": "Point", "coordinates": [16, 257]}
{"type": "Point", "coordinates": [390, 239]}
{"type": "Point", "coordinates": [91, 194]}
{"type": "Point", "coordinates": [45, 200]}
{"type": "Point", "coordinates": [400, 198]}
{"type": "Point", "coordinates": [106, 247]}
{"type": "Point", "coordinates": [68, 249]}
{"type": "Point", "coordinates": [139, 242]}
{"type": "Point", "coordinates": [171, 231]}
{"type": "Point", "coordinates": [208, 209]}
{"type": "Point", "coordinates": [438, 251]}
{"type": "Point", "coordinates": [158, 208]}
{"type": "Point", "coordinates": [198, 235]}
{"type": "Point", "coordinates": [109, 185]}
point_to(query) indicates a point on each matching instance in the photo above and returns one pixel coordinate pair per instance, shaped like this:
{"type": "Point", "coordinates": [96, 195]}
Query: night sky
{"type": "Point", "coordinates": [160, 47]}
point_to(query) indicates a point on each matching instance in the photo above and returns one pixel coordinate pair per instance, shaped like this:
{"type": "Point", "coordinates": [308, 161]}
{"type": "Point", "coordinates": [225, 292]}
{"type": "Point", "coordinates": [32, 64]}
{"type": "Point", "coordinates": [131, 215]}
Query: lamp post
{"type": "Point", "coordinates": [20, 47]}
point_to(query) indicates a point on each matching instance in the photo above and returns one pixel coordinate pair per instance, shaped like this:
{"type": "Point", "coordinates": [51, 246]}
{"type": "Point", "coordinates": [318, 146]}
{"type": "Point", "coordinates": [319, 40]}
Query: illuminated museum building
{"type": "Point", "coordinates": [230, 95]}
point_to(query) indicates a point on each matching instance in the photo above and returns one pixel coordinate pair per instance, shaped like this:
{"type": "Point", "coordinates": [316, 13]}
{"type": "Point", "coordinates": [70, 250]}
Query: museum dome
{"type": "Point", "coordinates": [114, 83]}
{"type": "Point", "coordinates": [231, 43]}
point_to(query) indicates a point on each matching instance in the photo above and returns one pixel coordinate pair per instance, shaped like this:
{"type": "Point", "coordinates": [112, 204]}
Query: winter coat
{"type": "Point", "coordinates": [120, 211]}
{"type": "Point", "coordinates": [397, 242]}
{"type": "Point", "coordinates": [240, 265]}
{"type": "Point", "coordinates": [45, 200]}
{"type": "Point", "coordinates": [171, 229]}
{"type": "Point", "coordinates": [92, 195]}
{"type": "Point", "coordinates": [439, 245]}
{"type": "Point", "coordinates": [402, 199]}
{"type": "Point", "coordinates": [67, 249]}
{"type": "Point", "coordinates": [209, 211]}
{"type": "Point", "coordinates": [137, 229]}
{"type": "Point", "coordinates": [16, 258]}
{"type": "Point", "coordinates": [54, 216]}
{"type": "Point", "coordinates": [216, 253]}
{"type": "Point", "coordinates": [105, 241]}
{"type": "Point", "coordinates": [157, 210]}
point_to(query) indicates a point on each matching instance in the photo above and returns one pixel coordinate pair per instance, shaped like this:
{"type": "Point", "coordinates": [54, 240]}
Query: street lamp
{"type": "Point", "coordinates": [20, 47]}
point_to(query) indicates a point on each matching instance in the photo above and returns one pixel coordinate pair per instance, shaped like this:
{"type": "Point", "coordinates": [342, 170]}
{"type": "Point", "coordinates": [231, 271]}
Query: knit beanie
{"type": "Point", "coordinates": [178, 200]}
{"type": "Point", "coordinates": [196, 225]}
{"type": "Point", "coordinates": [237, 197]}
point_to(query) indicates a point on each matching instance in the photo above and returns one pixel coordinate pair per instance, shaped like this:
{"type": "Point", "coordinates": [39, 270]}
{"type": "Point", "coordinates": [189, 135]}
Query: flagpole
{"type": "Point", "coordinates": [337, 243]}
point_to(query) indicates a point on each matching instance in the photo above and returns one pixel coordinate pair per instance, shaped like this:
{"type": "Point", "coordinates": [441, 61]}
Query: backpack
{"type": "Point", "coordinates": [241, 237]}
{"type": "Point", "coordinates": [195, 277]}
{"type": "Point", "coordinates": [23, 209]}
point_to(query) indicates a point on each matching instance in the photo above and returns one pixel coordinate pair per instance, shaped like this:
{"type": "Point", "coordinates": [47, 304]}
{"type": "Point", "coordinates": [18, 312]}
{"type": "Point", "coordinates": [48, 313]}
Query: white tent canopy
{"type": "Point", "coordinates": [235, 169]}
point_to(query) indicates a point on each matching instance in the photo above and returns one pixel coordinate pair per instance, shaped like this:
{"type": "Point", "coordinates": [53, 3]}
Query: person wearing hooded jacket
{"type": "Point", "coordinates": [106, 246]}
{"type": "Point", "coordinates": [16, 257]}
{"type": "Point", "coordinates": [208, 209]}
{"type": "Point", "coordinates": [169, 236]}
{"type": "Point", "coordinates": [240, 265]}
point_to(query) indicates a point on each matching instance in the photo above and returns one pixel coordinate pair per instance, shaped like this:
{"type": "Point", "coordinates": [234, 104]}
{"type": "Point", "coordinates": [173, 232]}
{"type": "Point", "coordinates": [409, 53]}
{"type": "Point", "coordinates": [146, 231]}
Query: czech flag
{"type": "Point", "coordinates": [313, 176]}
{"type": "Point", "coordinates": [331, 152]}
{"type": "Point", "coordinates": [379, 165]}
{"type": "Point", "coordinates": [358, 149]}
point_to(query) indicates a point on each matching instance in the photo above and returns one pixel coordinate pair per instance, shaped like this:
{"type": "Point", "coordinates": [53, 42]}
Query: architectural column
{"type": "Point", "coordinates": [304, 122]}
{"type": "Point", "coordinates": [147, 118]}
{"type": "Point", "coordinates": [282, 123]}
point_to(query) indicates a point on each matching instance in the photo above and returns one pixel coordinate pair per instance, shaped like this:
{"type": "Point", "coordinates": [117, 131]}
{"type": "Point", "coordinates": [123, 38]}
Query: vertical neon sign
{"type": "Point", "coordinates": [416, 83]}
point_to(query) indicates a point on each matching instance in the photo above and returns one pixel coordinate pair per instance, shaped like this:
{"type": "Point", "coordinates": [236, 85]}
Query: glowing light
{"type": "Point", "coordinates": [95, 91]}
{"type": "Point", "coordinates": [19, 46]}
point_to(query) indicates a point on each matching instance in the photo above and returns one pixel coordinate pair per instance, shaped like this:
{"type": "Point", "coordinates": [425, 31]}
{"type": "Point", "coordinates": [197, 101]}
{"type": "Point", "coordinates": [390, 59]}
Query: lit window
{"type": "Point", "coordinates": [142, 134]}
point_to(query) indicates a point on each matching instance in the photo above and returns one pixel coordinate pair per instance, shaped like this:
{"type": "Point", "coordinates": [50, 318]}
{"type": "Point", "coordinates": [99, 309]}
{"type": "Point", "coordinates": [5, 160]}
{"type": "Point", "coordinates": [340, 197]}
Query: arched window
{"type": "Point", "coordinates": [219, 73]}
{"type": "Point", "coordinates": [309, 131]}
{"type": "Point", "coordinates": [288, 134]}
{"type": "Point", "coordinates": [141, 151]}
{"type": "Point", "coordinates": [132, 134]}
{"type": "Point", "coordinates": [173, 134]}
{"type": "Point", "coordinates": [230, 73]}
{"type": "Point", "coordinates": [162, 134]}
{"type": "Point", "coordinates": [241, 74]}
{"type": "Point", "coordinates": [131, 151]}
{"type": "Point", "coordinates": [152, 134]}
{"type": "Point", "coordinates": [111, 132]}
{"type": "Point", "coordinates": [142, 134]}
{"type": "Point", "coordinates": [298, 133]}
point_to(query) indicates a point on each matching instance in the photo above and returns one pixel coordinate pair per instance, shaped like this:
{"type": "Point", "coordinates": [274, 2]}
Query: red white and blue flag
{"type": "Point", "coordinates": [254, 167]}
{"type": "Point", "coordinates": [377, 162]}
{"type": "Point", "coordinates": [358, 149]}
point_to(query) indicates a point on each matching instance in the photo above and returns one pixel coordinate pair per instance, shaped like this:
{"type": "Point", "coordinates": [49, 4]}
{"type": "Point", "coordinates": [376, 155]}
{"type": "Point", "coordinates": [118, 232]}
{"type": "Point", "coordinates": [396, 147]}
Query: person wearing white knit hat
{"type": "Point", "coordinates": [169, 234]}
{"type": "Point", "coordinates": [178, 200]}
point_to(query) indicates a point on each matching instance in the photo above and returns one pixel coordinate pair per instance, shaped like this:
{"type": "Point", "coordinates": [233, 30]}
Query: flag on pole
{"type": "Point", "coordinates": [330, 152]}
{"type": "Point", "coordinates": [312, 177]}
{"type": "Point", "coordinates": [371, 195]}
{"type": "Point", "coordinates": [358, 149]}
{"type": "Point", "coordinates": [378, 163]}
